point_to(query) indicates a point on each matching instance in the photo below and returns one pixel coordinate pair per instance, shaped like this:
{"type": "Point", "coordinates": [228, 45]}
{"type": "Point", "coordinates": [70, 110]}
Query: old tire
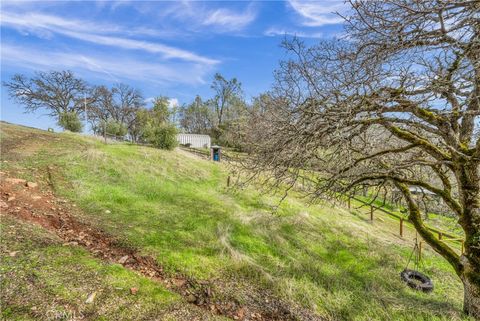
{"type": "Point", "coordinates": [417, 280]}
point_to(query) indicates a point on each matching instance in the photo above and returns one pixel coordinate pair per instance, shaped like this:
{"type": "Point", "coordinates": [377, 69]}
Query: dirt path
{"type": "Point", "coordinates": [26, 201]}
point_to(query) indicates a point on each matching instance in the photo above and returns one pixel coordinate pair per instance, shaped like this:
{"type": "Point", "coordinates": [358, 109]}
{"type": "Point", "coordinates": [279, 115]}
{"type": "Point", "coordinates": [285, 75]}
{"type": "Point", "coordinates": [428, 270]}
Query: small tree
{"type": "Point", "coordinates": [138, 126]}
{"type": "Point", "coordinates": [228, 94]}
{"type": "Point", "coordinates": [196, 117]}
{"type": "Point", "coordinates": [163, 136]}
{"type": "Point", "coordinates": [115, 128]}
{"type": "Point", "coordinates": [160, 112]}
{"type": "Point", "coordinates": [156, 126]}
{"type": "Point", "coordinates": [70, 121]}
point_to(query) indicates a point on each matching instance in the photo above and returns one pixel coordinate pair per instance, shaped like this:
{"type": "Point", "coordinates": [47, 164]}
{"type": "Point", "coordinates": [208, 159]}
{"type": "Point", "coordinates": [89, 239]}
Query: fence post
{"type": "Point", "coordinates": [420, 250]}
{"type": "Point", "coordinates": [105, 131]}
{"type": "Point", "coordinates": [348, 202]}
{"type": "Point", "coordinates": [228, 181]}
{"type": "Point", "coordinates": [371, 213]}
{"type": "Point", "coordinates": [401, 227]}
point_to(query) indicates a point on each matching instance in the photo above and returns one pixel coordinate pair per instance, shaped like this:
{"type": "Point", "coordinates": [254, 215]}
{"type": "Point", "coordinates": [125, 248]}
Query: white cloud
{"type": "Point", "coordinates": [228, 19]}
{"type": "Point", "coordinates": [109, 67]}
{"type": "Point", "coordinates": [166, 51]}
{"type": "Point", "coordinates": [318, 13]}
{"type": "Point", "coordinates": [46, 25]}
{"type": "Point", "coordinates": [199, 17]}
{"type": "Point", "coordinates": [33, 21]}
{"type": "Point", "coordinates": [172, 103]}
{"type": "Point", "coordinates": [273, 32]}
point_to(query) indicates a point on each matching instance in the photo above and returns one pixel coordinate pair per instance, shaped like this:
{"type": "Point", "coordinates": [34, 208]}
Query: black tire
{"type": "Point", "coordinates": [417, 280]}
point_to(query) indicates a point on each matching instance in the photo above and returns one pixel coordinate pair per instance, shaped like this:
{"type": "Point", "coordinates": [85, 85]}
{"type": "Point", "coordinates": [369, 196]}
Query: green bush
{"type": "Point", "coordinates": [115, 128]}
{"type": "Point", "coordinates": [69, 121]}
{"type": "Point", "coordinates": [163, 136]}
{"type": "Point", "coordinates": [110, 127]}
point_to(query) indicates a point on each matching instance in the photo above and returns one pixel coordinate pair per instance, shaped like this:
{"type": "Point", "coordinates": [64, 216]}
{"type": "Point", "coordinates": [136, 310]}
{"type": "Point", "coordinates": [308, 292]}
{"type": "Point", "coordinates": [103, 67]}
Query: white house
{"type": "Point", "coordinates": [194, 140]}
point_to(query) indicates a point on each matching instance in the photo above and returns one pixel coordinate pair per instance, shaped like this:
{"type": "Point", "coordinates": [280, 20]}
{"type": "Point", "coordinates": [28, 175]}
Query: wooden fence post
{"type": "Point", "coordinates": [371, 213]}
{"type": "Point", "coordinates": [401, 227]}
{"type": "Point", "coordinates": [420, 250]}
{"type": "Point", "coordinates": [228, 181]}
{"type": "Point", "coordinates": [105, 131]}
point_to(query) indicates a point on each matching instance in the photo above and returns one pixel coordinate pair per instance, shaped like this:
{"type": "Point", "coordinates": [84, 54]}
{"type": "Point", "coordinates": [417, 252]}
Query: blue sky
{"type": "Point", "coordinates": [170, 48]}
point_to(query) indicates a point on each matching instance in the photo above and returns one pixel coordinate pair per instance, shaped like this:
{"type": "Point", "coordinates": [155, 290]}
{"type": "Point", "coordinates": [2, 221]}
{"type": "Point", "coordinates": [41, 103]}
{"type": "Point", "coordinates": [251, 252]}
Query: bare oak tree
{"type": "Point", "coordinates": [119, 104]}
{"type": "Point", "coordinates": [126, 101]}
{"type": "Point", "coordinates": [56, 91]}
{"type": "Point", "coordinates": [397, 103]}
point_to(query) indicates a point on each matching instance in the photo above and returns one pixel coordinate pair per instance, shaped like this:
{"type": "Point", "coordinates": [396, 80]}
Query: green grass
{"type": "Point", "coordinates": [177, 208]}
{"type": "Point", "coordinates": [46, 280]}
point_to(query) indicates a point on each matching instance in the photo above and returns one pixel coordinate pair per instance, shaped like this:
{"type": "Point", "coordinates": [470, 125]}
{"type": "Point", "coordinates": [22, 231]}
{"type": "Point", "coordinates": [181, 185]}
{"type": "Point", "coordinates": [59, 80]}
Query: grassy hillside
{"type": "Point", "coordinates": [176, 207]}
{"type": "Point", "coordinates": [45, 280]}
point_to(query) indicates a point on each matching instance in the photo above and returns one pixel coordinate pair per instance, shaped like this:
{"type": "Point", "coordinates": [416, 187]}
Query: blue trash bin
{"type": "Point", "coordinates": [216, 153]}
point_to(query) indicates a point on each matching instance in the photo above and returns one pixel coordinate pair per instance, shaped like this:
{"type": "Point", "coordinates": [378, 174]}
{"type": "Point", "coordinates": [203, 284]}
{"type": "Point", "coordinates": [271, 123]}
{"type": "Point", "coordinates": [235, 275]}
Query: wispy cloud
{"type": "Point", "coordinates": [230, 20]}
{"type": "Point", "coordinates": [111, 68]}
{"type": "Point", "coordinates": [201, 17]}
{"type": "Point", "coordinates": [32, 21]}
{"type": "Point", "coordinates": [47, 25]}
{"type": "Point", "coordinates": [166, 51]}
{"type": "Point", "coordinates": [274, 32]}
{"type": "Point", "coordinates": [318, 13]}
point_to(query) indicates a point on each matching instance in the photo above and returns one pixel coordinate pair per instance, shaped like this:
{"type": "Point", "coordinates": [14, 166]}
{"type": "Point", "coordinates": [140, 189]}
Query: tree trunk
{"type": "Point", "coordinates": [471, 299]}
{"type": "Point", "coordinates": [468, 176]}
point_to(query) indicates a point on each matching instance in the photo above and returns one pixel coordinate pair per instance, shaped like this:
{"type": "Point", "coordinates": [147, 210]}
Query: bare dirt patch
{"type": "Point", "coordinates": [28, 202]}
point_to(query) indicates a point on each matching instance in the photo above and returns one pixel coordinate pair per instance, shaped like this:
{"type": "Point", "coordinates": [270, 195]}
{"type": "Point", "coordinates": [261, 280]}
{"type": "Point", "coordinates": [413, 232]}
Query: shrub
{"type": "Point", "coordinates": [69, 121]}
{"type": "Point", "coordinates": [164, 136]}
{"type": "Point", "coordinates": [116, 129]}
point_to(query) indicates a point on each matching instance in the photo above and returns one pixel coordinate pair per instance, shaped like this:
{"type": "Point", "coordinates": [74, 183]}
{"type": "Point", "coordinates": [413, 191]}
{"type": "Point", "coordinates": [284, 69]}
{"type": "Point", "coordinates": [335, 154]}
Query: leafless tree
{"type": "Point", "coordinates": [98, 108]}
{"type": "Point", "coordinates": [56, 91]}
{"type": "Point", "coordinates": [396, 103]}
{"type": "Point", "coordinates": [119, 104]}
{"type": "Point", "coordinates": [126, 101]}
